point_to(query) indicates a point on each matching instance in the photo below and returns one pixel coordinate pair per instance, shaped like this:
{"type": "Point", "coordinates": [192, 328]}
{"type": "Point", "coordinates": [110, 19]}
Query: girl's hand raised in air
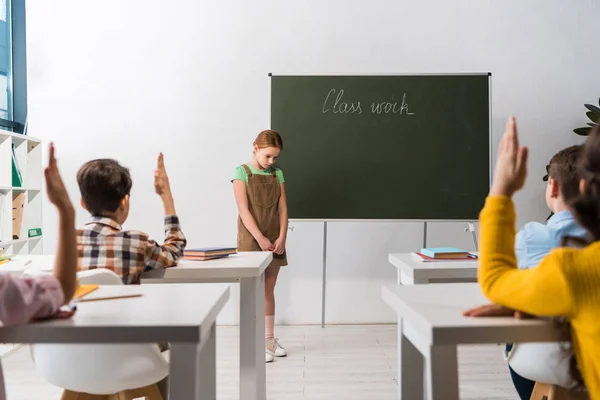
{"type": "Point", "coordinates": [511, 163]}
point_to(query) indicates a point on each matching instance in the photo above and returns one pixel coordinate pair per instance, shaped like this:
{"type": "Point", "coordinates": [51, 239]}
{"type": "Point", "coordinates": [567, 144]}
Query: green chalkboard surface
{"type": "Point", "coordinates": [402, 147]}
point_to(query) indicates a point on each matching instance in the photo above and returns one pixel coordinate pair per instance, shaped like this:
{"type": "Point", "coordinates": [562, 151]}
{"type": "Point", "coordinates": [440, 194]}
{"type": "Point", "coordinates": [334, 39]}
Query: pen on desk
{"type": "Point", "coordinates": [125, 296]}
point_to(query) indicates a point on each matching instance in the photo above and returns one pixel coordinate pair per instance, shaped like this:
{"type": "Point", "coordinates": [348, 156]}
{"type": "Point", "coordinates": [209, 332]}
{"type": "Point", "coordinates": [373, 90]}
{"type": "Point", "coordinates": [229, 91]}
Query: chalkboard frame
{"type": "Point", "coordinates": [490, 165]}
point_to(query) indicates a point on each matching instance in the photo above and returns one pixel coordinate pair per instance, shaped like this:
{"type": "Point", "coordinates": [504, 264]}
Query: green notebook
{"type": "Point", "coordinates": [17, 178]}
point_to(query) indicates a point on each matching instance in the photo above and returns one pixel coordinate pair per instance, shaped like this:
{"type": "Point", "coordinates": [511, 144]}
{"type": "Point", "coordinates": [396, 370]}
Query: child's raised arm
{"type": "Point", "coordinates": [65, 266]}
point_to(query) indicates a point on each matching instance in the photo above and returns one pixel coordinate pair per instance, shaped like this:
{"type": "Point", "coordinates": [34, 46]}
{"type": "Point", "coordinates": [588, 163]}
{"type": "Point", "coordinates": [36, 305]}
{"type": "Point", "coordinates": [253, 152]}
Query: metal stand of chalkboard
{"type": "Point", "coordinates": [470, 228]}
{"type": "Point", "coordinates": [324, 274]}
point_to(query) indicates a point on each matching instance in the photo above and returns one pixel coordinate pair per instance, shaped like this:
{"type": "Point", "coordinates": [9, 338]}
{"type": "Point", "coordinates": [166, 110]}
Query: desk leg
{"type": "Point", "coordinates": [410, 368]}
{"type": "Point", "coordinates": [442, 373]}
{"type": "Point", "coordinates": [184, 372]}
{"type": "Point", "coordinates": [208, 366]}
{"type": "Point", "coordinates": [405, 279]}
{"type": "Point", "coordinates": [252, 339]}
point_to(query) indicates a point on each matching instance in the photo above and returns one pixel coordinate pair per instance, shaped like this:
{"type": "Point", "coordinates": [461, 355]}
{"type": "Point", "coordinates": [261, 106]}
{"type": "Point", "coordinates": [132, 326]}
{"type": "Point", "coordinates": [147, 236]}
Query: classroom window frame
{"type": "Point", "coordinates": [14, 117]}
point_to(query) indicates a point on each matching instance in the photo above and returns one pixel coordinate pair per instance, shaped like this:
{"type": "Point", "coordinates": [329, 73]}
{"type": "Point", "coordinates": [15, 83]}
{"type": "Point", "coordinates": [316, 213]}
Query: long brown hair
{"type": "Point", "coordinates": [268, 138]}
{"type": "Point", "coordinates": [586, 210]}
{"type": "Point", "coordinates": [586, 206]}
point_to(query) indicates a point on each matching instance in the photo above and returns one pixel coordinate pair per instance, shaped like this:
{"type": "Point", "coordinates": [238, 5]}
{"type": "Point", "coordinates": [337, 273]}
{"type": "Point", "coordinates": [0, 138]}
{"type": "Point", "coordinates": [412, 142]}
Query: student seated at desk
{"type": "Point", "coordinates": [102, 243]}
{"type": "Point", "coordinates": [533, 242]}
{"type": "Point", "coordinates": [566, 283]}
{"type": "Point", "coordinates": [25, 299]}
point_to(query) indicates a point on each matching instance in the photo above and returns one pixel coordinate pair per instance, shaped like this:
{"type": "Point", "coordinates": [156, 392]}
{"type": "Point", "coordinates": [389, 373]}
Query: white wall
{"type": "Point", "coordinates": [127, 79]}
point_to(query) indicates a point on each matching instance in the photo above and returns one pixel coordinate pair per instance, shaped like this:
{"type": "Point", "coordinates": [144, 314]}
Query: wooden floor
{"type": "Point", "coordinates": [338, 362]}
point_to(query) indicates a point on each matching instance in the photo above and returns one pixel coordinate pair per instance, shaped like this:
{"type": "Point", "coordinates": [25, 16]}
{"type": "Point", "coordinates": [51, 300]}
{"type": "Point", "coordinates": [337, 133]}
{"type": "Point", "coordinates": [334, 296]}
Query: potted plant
{"type": "Point", "coordinates": [594, 115]}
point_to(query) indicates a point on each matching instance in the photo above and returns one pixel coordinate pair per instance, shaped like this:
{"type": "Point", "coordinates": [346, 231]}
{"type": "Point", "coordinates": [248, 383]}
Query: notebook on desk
{"type": "Point", "coordinates": [208, 253]}
{"type": "Point", "coordinates": [204, 258]}
{"type": "Point", "coordinates": [83, 290]}
{"type": "Point", "coordinates": [423, 258]}
{"type": "Point", "coordinates": [444, 252]}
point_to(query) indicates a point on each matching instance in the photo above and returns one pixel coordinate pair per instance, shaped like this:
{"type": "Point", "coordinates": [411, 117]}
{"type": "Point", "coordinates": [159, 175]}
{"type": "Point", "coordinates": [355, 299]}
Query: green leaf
{"type": "Point", "coordinates": [582, 131]}
{"type": "Point", "coordinates": [591, 124]}
{"type": "Point", "coordinates": [593, 116]}
{"type": "Point", "coordinates": [593, 108]}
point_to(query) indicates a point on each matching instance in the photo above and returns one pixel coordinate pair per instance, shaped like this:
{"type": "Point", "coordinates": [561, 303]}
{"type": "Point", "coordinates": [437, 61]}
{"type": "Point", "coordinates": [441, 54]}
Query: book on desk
{"type": "Point", "coordinates": [443, 254]}
{"type": "Point", "coordinates": [208, 253]}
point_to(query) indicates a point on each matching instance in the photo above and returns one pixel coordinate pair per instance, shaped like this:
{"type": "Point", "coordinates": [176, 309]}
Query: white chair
{"type": "Point", "coordinates": [541, 362]}
{"type": "Point", "coordinates": [108, 371]}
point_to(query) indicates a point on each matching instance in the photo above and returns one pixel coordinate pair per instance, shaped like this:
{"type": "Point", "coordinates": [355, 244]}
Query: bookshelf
{"type": "Point", "coordinates": [20, 202]}
{"type": "Point", "coordinates": [28, 192]}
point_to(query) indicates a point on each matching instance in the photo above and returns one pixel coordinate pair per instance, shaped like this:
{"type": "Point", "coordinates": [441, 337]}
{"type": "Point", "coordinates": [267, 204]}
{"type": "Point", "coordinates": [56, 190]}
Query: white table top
{"type": "Point", "coordinates": [435, 310]}
{"type": "Point", "coordinates": [242, 265]}
{"type": "Point", "coordinates": [250, 264]}
{"type": "Point", "coordinates": [164, 313]}
{"type": "Point", "coordinates": [419, 270]}
{"type": "Point", "coordinates": [29, 262]}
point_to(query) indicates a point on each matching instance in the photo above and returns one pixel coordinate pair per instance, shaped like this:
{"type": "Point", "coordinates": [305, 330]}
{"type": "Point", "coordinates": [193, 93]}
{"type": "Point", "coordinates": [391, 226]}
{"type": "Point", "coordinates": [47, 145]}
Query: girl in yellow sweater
{"type": "Point", "coordinates": [567, 281]}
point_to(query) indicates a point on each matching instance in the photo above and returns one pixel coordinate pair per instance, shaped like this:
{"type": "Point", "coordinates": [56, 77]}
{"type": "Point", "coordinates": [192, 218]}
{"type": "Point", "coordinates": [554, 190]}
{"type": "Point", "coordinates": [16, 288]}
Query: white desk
{"type": "Point", "coordinates": [29, 262]}
{"type": "Point", "coordinates": [412, 272]}
{"type": "Point", "coordinates": [249, 269]}
{"type": "Point", "coordinates": [431, 325]}
{"type": "Point", "coordinates": [182, 315]}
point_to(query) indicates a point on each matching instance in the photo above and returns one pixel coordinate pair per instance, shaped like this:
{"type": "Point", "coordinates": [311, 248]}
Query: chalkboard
{"type": "Point", "coordinates": [402, 147]}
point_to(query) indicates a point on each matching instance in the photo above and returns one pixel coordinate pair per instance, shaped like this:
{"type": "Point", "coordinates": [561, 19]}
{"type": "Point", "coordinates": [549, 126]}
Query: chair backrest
{"type": "Point", "coordinates": [99, 276]}
{"type": "Point", "coordinates": [100, 368]}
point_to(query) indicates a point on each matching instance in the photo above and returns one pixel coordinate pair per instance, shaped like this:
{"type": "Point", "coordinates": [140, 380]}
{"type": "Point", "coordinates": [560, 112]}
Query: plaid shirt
{"type": "Point", "coordinates": [102, 243]}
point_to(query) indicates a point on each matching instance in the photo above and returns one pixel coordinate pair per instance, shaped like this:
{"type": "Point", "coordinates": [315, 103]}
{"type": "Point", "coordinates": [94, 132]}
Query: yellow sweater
{"type": "Point", "coordinates": [566, 283]}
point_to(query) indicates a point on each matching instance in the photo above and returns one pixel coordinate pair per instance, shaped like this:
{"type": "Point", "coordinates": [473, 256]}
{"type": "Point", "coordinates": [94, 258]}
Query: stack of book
{"type": "Point", "coordinates": [443, 254]}
{"type": "Point", "coordinates": [208, 253]}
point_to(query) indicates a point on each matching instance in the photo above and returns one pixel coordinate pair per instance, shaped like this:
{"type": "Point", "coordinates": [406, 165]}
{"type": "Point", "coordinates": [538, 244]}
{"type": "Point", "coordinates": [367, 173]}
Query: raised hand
{"type": "Point", "coordinates": [511, 163]}
{"type": "Point", "coordinates": [55, 188]}
{"type": "Point", "coordinates": [161, 180]}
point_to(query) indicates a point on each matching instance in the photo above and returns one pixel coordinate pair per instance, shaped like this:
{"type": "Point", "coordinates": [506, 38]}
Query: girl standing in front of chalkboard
{"type": "Point", "coordinates": [263, 220]}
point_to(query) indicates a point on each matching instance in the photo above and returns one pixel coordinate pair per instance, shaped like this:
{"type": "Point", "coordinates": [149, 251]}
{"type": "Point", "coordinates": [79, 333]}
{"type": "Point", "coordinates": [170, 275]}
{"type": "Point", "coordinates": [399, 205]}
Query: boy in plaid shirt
{"type": "Point", "coordinates": [102, 243]}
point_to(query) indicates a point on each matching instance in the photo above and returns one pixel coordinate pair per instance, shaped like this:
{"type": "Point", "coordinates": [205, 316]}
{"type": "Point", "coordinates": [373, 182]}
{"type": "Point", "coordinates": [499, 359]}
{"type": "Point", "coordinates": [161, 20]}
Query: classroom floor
{"type": "Point", "coordinates": [338, 362]}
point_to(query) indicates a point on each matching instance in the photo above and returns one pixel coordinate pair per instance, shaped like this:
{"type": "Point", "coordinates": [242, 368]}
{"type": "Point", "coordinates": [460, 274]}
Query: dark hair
{"type": "Point", "coordinates": [585, 207]}
{"type": "Point", "coordinates": [563, 168]}
{"type": "Point", "coordinates": [103, 184]}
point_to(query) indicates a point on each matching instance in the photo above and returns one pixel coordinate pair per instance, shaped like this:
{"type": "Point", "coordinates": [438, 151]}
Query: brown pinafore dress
{"type": "Point", "coordinates": [263, 202]}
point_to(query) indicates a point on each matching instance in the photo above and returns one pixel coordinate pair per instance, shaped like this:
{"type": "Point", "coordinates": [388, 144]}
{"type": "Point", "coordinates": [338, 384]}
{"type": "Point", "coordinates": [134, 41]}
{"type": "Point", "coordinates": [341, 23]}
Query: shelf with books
{"type": "Point", "coordinates": [21, 178]}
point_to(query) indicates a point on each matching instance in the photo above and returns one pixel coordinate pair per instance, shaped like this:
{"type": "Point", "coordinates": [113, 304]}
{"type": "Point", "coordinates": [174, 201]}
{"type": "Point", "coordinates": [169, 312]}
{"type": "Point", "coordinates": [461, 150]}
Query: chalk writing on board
{"type": "Point", "coordinates": [336, 104]}
{"type": "Point", "coordinates": [386, 107]}
{"type": "Point", "coordinates": [339, 105]}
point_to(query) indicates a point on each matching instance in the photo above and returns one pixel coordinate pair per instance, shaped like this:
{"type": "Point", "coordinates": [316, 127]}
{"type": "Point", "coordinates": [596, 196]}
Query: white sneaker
{"type": "Point", "coordinates": [268, 358]}
{"type": "Point", "coordinates": [274, 348]}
